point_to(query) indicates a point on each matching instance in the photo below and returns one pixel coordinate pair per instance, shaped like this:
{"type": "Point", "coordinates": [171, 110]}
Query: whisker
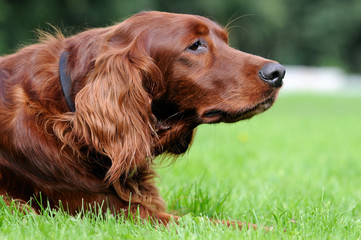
{"type": "Point", "coordinates": [235, 19]}
{"type": "Point", "coordinates": [175, 114]}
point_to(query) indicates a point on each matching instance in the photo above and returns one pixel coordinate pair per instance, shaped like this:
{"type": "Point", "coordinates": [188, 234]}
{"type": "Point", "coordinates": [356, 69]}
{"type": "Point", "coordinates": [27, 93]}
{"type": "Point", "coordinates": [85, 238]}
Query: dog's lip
{"type": "Point", "coordinates": [215, 115]}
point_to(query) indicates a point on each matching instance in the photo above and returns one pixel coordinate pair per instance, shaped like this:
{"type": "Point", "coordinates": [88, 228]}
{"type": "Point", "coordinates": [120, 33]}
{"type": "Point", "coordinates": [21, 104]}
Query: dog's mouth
{"type": "Point", "coordinates": [191, 119]}
{"type": "Point", "coordinates": [219, 115]}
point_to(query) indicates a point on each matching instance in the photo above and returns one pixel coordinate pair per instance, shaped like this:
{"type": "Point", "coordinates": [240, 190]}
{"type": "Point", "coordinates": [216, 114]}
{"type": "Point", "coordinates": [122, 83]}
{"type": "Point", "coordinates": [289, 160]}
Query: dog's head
{"type": "Point", "coordinates": [204, 80]}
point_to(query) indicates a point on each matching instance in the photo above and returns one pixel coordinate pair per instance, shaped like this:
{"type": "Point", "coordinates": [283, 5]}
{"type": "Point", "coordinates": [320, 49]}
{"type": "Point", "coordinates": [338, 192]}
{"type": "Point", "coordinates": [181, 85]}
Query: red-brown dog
{"type": "Point", "coordinates": [82, 118]}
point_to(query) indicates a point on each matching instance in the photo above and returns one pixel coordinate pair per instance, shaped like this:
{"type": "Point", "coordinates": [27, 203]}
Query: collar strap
{"type": "Point", "coordinates": [66, 81]}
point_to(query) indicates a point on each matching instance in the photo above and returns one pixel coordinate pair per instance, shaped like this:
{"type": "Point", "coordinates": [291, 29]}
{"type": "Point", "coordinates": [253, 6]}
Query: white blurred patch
{"type": "Point", "coordinates": [320, 79]}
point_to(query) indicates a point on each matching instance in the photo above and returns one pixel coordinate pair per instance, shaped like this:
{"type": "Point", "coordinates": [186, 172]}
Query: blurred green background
{"type": "Point", "coordinates": [294, 32]}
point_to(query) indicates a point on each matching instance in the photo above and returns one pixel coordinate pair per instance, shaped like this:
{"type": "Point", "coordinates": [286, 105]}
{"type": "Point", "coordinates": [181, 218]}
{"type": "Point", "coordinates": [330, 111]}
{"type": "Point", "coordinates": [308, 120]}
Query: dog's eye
{"type": "Point", "coordinates": [197, 46]}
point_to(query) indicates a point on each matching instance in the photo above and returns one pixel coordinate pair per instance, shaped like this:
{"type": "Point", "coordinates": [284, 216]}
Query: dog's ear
{"type": "Point", "coordinates": [113, 109]}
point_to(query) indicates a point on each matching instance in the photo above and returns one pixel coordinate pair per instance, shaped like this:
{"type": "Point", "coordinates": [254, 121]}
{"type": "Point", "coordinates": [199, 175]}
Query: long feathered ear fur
{"type": "Point", "coordinates": [113, 112]}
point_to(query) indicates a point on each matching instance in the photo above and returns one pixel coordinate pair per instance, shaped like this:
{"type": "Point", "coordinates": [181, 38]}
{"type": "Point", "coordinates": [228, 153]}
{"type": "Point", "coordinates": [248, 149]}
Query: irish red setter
{"type": "Point", "coordinates": [82, 118]}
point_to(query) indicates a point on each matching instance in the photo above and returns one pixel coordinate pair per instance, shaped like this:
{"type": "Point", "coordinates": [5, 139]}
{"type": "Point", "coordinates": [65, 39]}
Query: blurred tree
{"type": "Point", "coordinates": [308, 32]}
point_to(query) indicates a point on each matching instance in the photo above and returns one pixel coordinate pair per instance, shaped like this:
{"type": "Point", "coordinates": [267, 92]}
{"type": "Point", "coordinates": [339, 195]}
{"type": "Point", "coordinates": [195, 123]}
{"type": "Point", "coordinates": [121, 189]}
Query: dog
{"type": "Point", "coordinates": [82, 118]}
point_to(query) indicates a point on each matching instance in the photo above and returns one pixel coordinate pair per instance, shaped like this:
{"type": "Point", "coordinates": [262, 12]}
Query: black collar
{"type": "Point", "coordinates": [65, 81]}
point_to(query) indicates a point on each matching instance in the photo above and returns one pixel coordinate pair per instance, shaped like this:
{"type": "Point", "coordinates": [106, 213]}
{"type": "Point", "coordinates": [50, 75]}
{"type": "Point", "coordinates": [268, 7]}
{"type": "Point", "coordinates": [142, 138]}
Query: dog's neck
{"type": "Point", "coordinates": [65, 81]}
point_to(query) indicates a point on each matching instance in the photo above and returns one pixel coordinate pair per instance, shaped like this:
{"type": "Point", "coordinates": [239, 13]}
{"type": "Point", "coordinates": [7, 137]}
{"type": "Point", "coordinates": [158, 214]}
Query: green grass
{"type": "Point", "coordinates": [296, 168]}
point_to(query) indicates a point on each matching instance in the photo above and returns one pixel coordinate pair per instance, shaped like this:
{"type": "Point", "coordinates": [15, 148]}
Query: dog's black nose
{"type": "Point", "coordinates": [273, 73]}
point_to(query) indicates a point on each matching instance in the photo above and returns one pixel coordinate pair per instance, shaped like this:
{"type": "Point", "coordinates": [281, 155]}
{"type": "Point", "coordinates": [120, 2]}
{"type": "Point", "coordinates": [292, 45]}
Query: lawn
{"type": "Point", "coordinates": [296, 168]}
